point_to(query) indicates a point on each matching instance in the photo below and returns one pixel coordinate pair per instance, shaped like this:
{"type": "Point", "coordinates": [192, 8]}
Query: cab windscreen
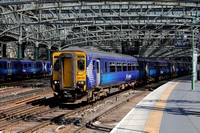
{"type": "Point", "coordinates": [81, 65]}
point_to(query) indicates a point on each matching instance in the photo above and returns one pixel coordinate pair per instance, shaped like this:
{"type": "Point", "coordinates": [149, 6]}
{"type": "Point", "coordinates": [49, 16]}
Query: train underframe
{"type": "Point", "coordinates": [78, 96]}
{"type": "Point", "coordinates": [22, 76]}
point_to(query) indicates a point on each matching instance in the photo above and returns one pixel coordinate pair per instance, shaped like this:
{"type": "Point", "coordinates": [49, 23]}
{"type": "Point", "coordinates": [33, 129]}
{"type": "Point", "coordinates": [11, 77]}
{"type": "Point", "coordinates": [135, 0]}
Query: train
{"type": "Point", "coordinates": [86, 75]}
{"type": "Point", "coordinates": [21, 68]}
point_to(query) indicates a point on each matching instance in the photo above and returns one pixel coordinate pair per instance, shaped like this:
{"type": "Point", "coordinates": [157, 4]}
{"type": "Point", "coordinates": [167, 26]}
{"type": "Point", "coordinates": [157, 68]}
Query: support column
{"type": "Point", "coordinates": [4, 50]}
{"type": "Point", "coordinates": [36, 51]}
{"type": "Point", "coordinates": [193, 63]}
{"type": "Point", "coordinates": [23, 49]}
{"type": "Point", "coordinates": [49, 55]}
{"type": "Point", "coordinates": [19, 50]}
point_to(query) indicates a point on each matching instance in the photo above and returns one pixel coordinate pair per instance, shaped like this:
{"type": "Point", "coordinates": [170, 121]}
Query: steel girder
{"type": "Point", "coordinates": [101, 24]}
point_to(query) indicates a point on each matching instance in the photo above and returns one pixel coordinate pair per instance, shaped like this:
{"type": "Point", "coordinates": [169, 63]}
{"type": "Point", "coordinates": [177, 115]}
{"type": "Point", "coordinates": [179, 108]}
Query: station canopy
{"type": "Point", "coordinates": [143, 28]}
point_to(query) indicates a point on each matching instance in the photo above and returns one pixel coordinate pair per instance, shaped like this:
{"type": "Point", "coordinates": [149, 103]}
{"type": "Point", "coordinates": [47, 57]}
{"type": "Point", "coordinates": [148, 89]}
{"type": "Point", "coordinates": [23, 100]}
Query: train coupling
{"type": "Point", "coordinates": [67, 94]}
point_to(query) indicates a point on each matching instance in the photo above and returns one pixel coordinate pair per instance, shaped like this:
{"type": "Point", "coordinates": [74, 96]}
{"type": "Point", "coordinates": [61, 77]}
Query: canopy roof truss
{"type": "Point", "coordinates": [103, 24]}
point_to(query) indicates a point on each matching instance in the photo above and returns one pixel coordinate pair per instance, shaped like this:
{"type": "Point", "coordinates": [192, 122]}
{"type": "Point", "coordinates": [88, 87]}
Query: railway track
{"type": "Point", "coordinates": [13, 115]}
{"type": "Point", "coordinates": [98, 117]}
{"type": "Point", "coordinates": [80, 111]}
{"type": "Point", "coordinates": [32, 82]}
{"type": "Point", "coordinates": [29, 95]}
{"type": "Point", "coordinates": [66, 115]}
{"type": "Point", "coordinates": [82, 120]}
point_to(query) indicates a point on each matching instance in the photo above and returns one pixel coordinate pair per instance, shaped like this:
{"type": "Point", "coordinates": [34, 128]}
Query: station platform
{"type": "Point", "coordinates": [171, 108]}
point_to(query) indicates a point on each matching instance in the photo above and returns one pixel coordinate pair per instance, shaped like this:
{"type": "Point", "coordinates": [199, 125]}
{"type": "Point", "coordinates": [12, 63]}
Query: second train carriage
{"type": "Point", "coordinates": [12, 68]}
{"type": "Point", "coordinates": [80, 73]}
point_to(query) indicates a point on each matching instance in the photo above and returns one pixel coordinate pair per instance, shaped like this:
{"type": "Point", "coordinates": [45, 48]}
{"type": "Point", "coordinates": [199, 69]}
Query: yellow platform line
{"type": "Point", "coordinates": [154, 121]}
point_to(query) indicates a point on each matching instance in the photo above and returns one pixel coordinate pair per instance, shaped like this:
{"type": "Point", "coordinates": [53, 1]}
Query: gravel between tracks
{"type": "Point", "coordinates": [104, 125]}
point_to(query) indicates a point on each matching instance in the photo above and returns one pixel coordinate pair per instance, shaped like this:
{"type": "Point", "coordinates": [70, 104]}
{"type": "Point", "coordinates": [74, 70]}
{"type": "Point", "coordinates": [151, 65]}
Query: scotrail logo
{"type": "Point", "coordinates": [44, 67]}
{"type": "Point", "coordinates": [128, 76]}
{"type": "Point", "coordinates": [89, 73]}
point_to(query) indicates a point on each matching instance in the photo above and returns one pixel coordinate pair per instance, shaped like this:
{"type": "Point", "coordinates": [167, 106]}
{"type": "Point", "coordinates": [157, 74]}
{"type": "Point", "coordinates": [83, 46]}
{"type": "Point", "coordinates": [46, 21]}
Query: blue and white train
{"type": "Point", "coordinates": [13, 68]}
{"type": "Point", "coordinates": [82, 74]}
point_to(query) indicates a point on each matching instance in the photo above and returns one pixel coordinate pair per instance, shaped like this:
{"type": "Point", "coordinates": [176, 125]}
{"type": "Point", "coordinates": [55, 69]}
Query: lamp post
{"type": "Point", "coordinates": [20, 48]}
{"type": "Point", "coordinates": [193, 53]}
{"type": "Point", "coordinates": [193, 63]}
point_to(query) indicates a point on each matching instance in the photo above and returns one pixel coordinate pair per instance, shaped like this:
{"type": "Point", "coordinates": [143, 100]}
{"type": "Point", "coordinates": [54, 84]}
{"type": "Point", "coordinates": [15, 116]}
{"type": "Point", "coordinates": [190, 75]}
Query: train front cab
{"type": "Point", "coordinates": [69, 74]}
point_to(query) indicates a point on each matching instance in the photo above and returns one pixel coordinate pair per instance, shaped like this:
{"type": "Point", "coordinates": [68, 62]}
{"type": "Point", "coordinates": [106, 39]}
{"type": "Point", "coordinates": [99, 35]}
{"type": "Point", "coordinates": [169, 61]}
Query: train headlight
{"type": "Point", "coordinates": [56, 82]}
{"type": "Point", "coordinates": [81, 83]}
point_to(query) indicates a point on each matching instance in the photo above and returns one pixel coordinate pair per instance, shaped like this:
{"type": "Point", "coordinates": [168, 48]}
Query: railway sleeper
{"type": "Point", "coordinates": [12, 113]}
{"type": "Point", "coordinates": [25, 112]}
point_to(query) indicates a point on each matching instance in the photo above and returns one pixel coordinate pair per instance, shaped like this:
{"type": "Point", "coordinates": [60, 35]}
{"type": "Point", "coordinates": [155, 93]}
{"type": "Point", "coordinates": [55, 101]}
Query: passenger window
{"type": "Point", "coordinates": [29, 65]}
{"type": "Point", "coordinates": [129, 66]}
{"type": "Point", "coordinates": [106, 67]}
{"type": "Point", "coordinates": [133, 66]}
{"type": "Point", "coordinates": [25, 65]}
{"type": "Point", "coordinates": [21, 65]}
{"type": "Point", "coordinates": [112, 66]}
{"type": "Point", "coordinates": [16, 66]}
{"type": "Point", "coordinates": [137, 67]}
{"type": "Point", "coordinates": [1, 66]}
{"type": "Point", "coordinates": [124, 67]}
{"type": "Point", "coordinates": [93, 65]}
{"type": "Point", "coordinates": [5, 66]}
{"type": "Point", "coordinates": [119, 67]}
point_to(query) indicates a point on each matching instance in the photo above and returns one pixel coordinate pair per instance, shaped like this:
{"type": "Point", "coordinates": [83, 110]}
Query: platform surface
{"type": "Point", "coordinates": [171, 108]}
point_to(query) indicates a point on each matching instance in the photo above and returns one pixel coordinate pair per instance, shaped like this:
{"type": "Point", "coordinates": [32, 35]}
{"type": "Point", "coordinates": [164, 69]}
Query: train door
{"type": "Point", "coordinates": [9, 68]}
{"type": "Point", "coordinates": [98, 73]}
{"type": "Point", "coordinates": [67, 70]}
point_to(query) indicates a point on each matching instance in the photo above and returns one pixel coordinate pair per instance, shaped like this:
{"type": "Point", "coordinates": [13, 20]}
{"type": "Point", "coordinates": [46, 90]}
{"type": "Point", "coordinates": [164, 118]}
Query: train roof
{"type": "Point", "coordinates": [97, 52]}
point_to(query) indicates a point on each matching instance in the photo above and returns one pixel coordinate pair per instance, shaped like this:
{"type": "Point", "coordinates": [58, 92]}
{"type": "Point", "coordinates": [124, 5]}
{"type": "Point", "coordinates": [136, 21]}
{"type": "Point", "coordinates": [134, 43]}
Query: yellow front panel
{"type": "Point", "coordinates": [67, 72]}
{"type": "Point", "coordinates": [80, 75]}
